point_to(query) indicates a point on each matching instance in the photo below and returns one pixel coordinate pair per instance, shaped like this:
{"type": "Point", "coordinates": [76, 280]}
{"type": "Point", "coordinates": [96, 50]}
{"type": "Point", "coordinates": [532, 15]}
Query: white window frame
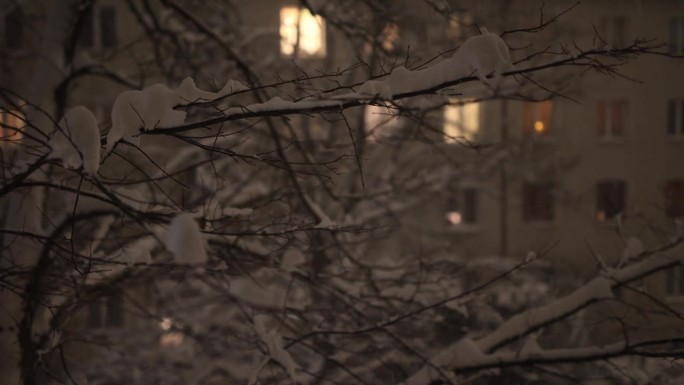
{"type": "Point", "coordinates": [462, 122]}
{"type": "Point", "coordinates": [293, 39]}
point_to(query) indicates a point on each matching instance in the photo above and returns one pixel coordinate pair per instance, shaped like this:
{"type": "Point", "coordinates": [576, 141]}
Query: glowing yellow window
{"type": "Point", "coordinates": [301, 33]}
{"type": "Point", "coordinates": [461, 122]}
{"type": "Point", "coordinates": [11, 124]}
{"type": "Point", "coordinates": [537, 118]}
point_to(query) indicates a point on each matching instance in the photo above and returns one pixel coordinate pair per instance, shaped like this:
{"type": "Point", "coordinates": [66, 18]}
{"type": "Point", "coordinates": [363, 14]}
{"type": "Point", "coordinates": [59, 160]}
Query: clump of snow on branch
{"type": "Point", "coordinates": [274, 344]}
{"type": "Point", "coordinates": [633, 247]}
{"type": "Point", "coordinates": [185, 240]}
{"type": "Point", "coordinates": [77, 141]}
{"type": "Point", "coordinates": [269, 289]}
{"type": "Point", "coordinates": [154, 107]}
{"type": "Point", "coordinates": [481, 55]}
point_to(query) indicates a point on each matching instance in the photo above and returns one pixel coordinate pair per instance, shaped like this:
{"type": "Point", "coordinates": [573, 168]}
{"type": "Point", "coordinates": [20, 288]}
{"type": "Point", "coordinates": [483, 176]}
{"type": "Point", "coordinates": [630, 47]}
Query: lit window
{"type": "Point", "coordinates": [461, 122]}
{"type": "Point", "coordinates": [675, 117]}
{"type": "Point", "coordinates": [99, 28]}
{"type": "Point", "coordinates": [537, 202]}
{"type": "Point", "coordinates": [537, 118]}
{"type": "Point", "coordinates": [301, 33]}
{"type": "Point", "coordinates": [612, 30]}
{"type": "Point", "coordinates": [14, 28]}
{"type": "Point", "coordinates": [390, 37]}
{"type": "Point", "coordinates": [674, 198]}
{"type": "Point", "coordinates": [459, 23]}
{"type": "Point", "coordinates": [676, 36]}
{"type": "Point", "coordinates": [462, 207]}
{"type": "Point", "coordinates": [170, 338]}
{"type": "Point", "coordinates": [675, 281]}
{"type": "Point", "coordinates": [610, 199]}
{"type": "Point", "coordinates": [11, 124]}
{"type": "Point", "coordinates": [107, 311]}
{"type": "Point", "coordinates": [611, 118]}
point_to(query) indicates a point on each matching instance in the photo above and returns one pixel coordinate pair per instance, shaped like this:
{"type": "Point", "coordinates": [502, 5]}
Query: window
{"type": "Point", "coordinates": [14, 28]}
{"type": "Point", "coordinates": [612, 30]}
{"type": "Point", "coordinates": [675, 281]}
{"type": "Point", "coordinates": [462, 207]}
{"type": "Point", "coordinates": [537, 202]}
{"type": "Point", "coordinates": [99, 28]}
{"type": "Point", "coordinates": [461, 122]}
{"type": "Point", "coordinates": [611, 118]}
{"type": "Point", "coordinates": [675, 117]}
{"type": "Point", "coordinates": [459, 23]}
{"type": "Point", "coordinates": [610, 199]}
{"type": "Point", "coordinates": [674, 198]}
{"type": "Point", "coordinates": [107, 311]}
{"type": "Point", "coordinates": [676, 36]}
{"type": "Point", "coordinates": [537, 118]}
{"type": "Point", "coordinates": [11, 124]}
{"type": "Point", "coordinates": [301, 33]}
{"type": "Point", "coordinates": [382, 122]}
{"type": "Point", "coordinates": [390, 37]}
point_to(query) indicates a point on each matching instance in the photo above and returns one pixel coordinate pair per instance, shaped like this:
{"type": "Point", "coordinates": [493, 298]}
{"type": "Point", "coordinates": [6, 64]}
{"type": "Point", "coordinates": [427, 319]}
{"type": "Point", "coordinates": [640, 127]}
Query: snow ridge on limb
{"type": "Point", "coordinates": [154, 107]}
{"type": "Point", "coordinates": [77, 140]}
{"type": "Point", "coordinates": [185, 240]}
{"type": "Point", "coordinates": [274, 344]}
{"type": "Point", "coordinates": [480, 55]}
{"type": "Point", "coordinates": [531, 320]}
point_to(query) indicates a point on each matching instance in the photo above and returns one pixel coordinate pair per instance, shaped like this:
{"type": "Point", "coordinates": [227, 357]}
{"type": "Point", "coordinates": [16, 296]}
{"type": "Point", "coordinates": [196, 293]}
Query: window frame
{"type": "Point", "coordinates": [15, 40]}
{"type": "Point", "coordinates": [8, 119]}
{"type": "Point", "coordinates": [605, 193]}
{"type": "Point", "coordinates": [465, 124]}
{"type": "Point", "coordinates": [534, 210]}
{"type": "Point", "coordinates": [106, 312]}
{"type": "Point", "coordinates": [674, 187]}
{"type": "Point", "coordinates": [675, 35]}
{"type": "Point", "coordinates": [674, 126]}
{"type": "Point", "coordinates": [605, 117]}
{"type": "Point", "coordinates": [613, 30]}
{"type": "Point", "coordinates": [296, 49]}
{"type": "Point", "coordinates": [464, 201]}
{"type": "Point", "coordinates": [534, 112]}
{"type": "Point", "coordinates": [93, 35]}
{"type": "Point", "coordinates": [674, 282]}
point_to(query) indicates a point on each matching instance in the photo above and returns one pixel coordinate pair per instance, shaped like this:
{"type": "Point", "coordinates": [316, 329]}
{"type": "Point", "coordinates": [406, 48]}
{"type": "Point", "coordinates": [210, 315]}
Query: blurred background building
{"type": "Point", "coordinates": [578, 170]}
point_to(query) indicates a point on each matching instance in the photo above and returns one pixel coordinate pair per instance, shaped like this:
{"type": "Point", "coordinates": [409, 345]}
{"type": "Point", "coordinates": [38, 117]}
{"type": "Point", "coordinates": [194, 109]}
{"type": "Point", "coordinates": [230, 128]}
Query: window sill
{"type": "Point", "coordinates": [677, 299]}
{"type": "Point", "coordinates": [539, 224]}
{"type": "Point", "coordinates": [611, 140]}
{"type": "Point", "coordinates": [676, 138]}
{"type": "Point", "coordinates": [536, 139]}
{"type": "Point", "coordinates": [464, 228]}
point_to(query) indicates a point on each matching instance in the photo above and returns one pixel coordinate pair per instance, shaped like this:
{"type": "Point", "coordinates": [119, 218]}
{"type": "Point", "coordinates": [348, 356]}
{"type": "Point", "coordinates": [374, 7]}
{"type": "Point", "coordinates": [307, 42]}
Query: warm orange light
{"type": "Point", "coordinates": [601, 216]}
{"type": "Point", "coordinates": [301, 33]}
{"type": "Point", "coordinates": [539, 127]}
{"type": "Point", "coordinates": [454, 217]}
